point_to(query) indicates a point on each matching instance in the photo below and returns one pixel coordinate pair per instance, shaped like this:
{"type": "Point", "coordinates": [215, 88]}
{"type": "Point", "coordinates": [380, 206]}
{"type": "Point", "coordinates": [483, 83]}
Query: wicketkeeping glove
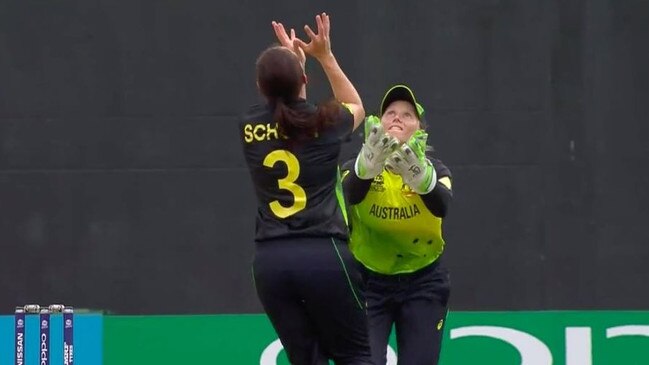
{"type": "Point", "coordinates": [377, 147]}
{"type": "Point", "coordinates": [411, 163]}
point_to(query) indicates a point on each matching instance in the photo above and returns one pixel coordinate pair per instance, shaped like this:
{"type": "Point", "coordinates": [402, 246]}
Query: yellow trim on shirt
{"type": "Point", "coordinates": [446, 181]}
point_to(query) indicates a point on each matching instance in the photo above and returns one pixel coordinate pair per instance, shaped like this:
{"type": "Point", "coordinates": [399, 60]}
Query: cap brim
{"type": "Point", "coordinates": [401, 92]}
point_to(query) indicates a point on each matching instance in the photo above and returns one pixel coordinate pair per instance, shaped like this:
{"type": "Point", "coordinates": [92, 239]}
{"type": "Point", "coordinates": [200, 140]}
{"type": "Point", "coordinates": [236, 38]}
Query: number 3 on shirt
{"type": "Point", "coordinates": [287, 183]}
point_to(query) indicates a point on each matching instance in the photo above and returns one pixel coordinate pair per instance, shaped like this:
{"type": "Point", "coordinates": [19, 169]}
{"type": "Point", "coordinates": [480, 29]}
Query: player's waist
{"type": "Point", "coordinates": [404, 276]}
{"type": "Point", "coordinates": [303, 239]}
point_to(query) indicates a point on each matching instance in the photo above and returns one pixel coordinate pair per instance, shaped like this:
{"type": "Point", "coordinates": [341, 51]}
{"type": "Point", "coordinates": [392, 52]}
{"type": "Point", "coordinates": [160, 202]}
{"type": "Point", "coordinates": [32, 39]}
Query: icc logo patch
{"type": "Point", "coordinates": [377, 184]}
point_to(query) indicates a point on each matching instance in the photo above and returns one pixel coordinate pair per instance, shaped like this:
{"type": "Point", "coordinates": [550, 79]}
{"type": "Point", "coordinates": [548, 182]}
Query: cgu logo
{"type": "Point", "coordinates": [531, 349]}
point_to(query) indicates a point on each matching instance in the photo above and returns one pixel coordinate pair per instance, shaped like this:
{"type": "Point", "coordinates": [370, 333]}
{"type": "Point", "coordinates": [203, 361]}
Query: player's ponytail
{"type": "Point", "coordinates": [280, 78]}
{"type": "Point", "coordinates": [293, 124]}
{"type": "Point", "coordinates": [300, 126]}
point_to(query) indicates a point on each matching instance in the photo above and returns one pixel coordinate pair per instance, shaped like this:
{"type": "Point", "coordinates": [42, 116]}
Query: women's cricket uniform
{"type": "Point", "coordinates": [397, 235]}
{"type": "Point", "coordinates": [304, 273]}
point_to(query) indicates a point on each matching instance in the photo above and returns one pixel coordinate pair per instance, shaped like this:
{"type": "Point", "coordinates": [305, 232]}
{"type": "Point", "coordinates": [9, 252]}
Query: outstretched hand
{"type": "Point", "coordinates": [376, 149]}
{"type": "Point", "coordinates": [320, 45]}
{"type": "Point", "coordinates": [288, 41]}
{"type": "Point", "coordinates": [416, 172]}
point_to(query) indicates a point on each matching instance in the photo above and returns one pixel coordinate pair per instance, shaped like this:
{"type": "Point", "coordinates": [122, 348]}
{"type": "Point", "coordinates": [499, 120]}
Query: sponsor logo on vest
{"type": "Point", "coordinates": [395, 213]}
{"type": "Point", "coordinates": [407, 191]}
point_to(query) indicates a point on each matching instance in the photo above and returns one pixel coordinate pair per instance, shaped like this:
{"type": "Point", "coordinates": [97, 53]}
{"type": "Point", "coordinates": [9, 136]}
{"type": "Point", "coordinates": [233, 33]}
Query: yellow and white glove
{"type": "Point", "coordinates": [416, 171]}
{"type": "Point", "coordinates": [376, 149]}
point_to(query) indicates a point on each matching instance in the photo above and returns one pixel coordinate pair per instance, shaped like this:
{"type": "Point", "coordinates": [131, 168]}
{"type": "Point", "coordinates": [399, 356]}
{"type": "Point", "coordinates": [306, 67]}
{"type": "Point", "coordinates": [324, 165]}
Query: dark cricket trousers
{"type": "Point", "coordinates": [309, 288]}
{"type": "Point", "coordinates": [416, 304]}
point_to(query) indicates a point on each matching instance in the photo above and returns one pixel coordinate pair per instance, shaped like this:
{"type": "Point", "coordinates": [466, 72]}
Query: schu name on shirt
{"type": "Point", "coordinates": [260, 132]}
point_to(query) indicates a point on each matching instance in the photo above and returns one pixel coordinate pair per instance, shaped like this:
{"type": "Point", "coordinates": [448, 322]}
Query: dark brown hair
{"type": "Point", "coordinates": [280, 78]}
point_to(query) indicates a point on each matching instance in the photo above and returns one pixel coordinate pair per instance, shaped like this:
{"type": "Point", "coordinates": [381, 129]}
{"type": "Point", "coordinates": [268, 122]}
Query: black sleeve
{"type": "Point", "coordinates": [345, 124]}
{"type": "Point", "coordinates": [354, 187]}
{"type": "Point", "coordinates": [438, 200]}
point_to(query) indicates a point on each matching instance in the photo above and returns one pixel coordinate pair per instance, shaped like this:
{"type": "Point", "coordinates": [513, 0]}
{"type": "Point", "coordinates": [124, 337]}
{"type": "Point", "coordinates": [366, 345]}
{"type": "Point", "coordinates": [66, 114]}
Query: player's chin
{"type": "Point", "coordinates": [401, 137]}
{"type": "Point", "coordinates": [398, 134]}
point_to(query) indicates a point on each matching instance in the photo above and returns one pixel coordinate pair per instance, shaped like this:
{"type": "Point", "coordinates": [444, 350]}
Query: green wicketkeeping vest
{"type": "Point", "coordinates": [392, 230]}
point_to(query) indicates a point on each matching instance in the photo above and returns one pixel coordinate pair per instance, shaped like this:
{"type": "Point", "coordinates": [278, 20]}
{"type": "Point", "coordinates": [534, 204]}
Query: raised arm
{"type": "Point", "coordinates": [288, 41]}
{"type": "Point", "coordinates": [320, 48]}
